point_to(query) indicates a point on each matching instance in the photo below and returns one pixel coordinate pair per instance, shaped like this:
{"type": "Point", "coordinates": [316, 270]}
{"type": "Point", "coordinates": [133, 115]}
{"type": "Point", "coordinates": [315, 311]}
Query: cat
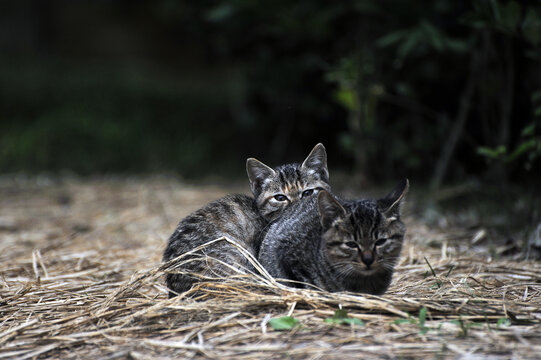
{"type": "Point", "coordinates": [337, 245]}
{"type": "Point", "coordinates": [242, 218]}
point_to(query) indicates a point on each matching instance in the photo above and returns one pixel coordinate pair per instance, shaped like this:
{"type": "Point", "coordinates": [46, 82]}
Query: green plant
{"type": "Point", "coordinates": [421, 321]}
{"type": "Point", "coordinates": [438, 282]}
{"type": "Point", "coordinates": [529, 145]}
{"type": "Point", "coordinates": [465, 326]}
{"type": "Point", "coordinates": [284, 323]}
{"type": "Point", "coordinates": [341, 317]}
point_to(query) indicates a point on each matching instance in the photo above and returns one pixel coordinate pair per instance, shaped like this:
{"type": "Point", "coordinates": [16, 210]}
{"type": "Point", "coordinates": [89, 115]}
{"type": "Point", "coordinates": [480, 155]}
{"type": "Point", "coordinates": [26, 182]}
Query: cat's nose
{"type": "Point", "coordinates": [367, 258]}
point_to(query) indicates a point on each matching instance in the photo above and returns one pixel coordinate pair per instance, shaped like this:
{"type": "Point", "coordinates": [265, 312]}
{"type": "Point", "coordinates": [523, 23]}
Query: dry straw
{"type": "Point", "coordinates": [97, 291]}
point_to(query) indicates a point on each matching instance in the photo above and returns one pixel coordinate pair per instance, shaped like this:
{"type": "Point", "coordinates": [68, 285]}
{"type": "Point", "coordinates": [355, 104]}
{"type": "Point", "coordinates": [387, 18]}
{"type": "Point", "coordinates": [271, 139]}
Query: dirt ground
{"type": "Point", "coordinates": [81, 277]}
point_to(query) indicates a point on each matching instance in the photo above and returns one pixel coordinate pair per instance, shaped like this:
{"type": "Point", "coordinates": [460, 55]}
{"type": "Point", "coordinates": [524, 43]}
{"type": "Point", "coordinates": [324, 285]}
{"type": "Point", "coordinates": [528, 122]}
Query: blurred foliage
{"type": "Point", "coordinates": [529, 147]}
{"type": "Point", "coordinates": [195, 87]}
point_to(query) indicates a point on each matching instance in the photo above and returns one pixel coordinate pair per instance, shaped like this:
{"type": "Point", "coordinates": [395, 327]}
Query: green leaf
{"type": "Point", "coordinates": [496, 10]}
{"type": "Point", "coordinates": [492, 153]}
{"type": "Point", "coordinates": [528, 130]}
{"type": "Point", "coordinates": [348, 99]}
{"type": "Point", "coordinates": [458, 46]}
{"type": "Point", "coordinates": [503, 322]}
{"type": "Point", "coordinates": [433, 35]}
{"type": "Point", "coordinates": [283, 323]}
{"type": "Point", "coordinates": [409, 320]}
{"type": "Point", "coordinates": [422, 317]}
{"type": "Point", "coordinates": [341, 317]}
{"type": "Point", "coordinates": [353, 321]}
{"type": "Point", "coordinates": [521, 149]}
{"type": "Point", "coordinates": [340, 314]}
{"type": "Point", "coordinates": [412, 40]}
{"type": "Point", "coordinates": [220, 13]}
{"type": "Point", "coordinates": [449, 272]}
{"type": "Point", "coordinates": [391, 38]}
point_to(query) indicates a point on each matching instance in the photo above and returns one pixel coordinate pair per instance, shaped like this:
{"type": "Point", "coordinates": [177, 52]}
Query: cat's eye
{"type": "Point", "coordinates": [351, 244]}
{"type": "Point", "coordinates": [381, 242]}
{"type": "Point", "coordinates": [280, 197]}
{"type": "Point", "coordinates": [307, 192]}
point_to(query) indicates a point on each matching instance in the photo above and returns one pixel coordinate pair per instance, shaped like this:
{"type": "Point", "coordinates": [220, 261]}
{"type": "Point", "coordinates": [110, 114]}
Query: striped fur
{"type": "Point", "coordinates": [290, 180]}
{"type": "Point", "coordinates": [241, 218]}
{"type": "Point", "coordinates": [337, 245]}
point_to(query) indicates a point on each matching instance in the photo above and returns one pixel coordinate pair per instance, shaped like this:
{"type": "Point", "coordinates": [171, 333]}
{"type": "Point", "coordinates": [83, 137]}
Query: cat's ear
{"type": "Point", "coordinates": [257, 173]}
{"type": "Point", "coordinates": [390, 204]}
{"type": "Point", "coordinates": [330, 210]}
{"type": "Point", "coordinates": [316, 161]}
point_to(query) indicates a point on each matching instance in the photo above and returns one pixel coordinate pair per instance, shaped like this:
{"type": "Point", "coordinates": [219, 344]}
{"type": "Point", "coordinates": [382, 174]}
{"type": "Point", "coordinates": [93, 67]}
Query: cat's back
{"type": "Point", "coordinates": [230, 213]}
{"type": "Point", "coordinates": [235, 216]}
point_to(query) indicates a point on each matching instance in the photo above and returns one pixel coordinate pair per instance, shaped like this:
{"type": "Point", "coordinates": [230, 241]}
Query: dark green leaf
{"type": "Point", "coordinates": [434, 36]}
{"type": "Point", "coordinates": [528, 130]}
{"type": "Point", "coordinates": [521, 149]}
{"type": "Point", "coordinates": [458, 46]}
{"type": "Point", "coordinates": [391, 38]}
{"type": "Point", "coordinates": [340, 314]}
{"type": "Point", "coordinates": [496, 10]}
{"type": "Point", "coordinates": [492, 153]}
{"type": "Point", "coordinates": [220, 13]}
{"type": "Point", "coordinates": [449, 272]}
{"type": "Point", "coordinates": [412, 41]}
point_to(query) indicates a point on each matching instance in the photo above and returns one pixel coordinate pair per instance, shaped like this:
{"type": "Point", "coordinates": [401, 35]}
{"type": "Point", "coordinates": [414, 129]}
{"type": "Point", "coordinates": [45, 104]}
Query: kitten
{"type": "Point", "coordinates": [242, 218]}
{"type": "Point", "coordinates": [337, 245]}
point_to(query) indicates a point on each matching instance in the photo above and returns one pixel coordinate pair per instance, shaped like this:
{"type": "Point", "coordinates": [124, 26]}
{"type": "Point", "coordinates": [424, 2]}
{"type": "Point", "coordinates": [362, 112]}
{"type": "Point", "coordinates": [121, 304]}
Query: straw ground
{"type": "Point", "coordinates": [80, 277]}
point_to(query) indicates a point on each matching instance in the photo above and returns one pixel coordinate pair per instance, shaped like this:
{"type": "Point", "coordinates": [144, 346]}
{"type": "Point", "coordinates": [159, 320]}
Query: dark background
{"type": "Point", "coordinates": [443, 92]}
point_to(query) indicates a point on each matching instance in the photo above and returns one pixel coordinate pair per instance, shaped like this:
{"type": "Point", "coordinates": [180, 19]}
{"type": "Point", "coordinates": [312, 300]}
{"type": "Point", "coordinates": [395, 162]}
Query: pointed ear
{"type": "Point", "coordinates": [317, 162]}
{"type": "Point", "coordinates": [329, 209]}
{"type": "Point", "coordinates": [390, 204]}
{"type": "Point", "coordinates": [257, 173]}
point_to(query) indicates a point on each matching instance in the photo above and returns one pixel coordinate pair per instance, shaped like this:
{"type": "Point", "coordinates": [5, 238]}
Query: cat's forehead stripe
{"type": "Point", "coordinates": [290, 188]}
{"type": "Point", "coordinates": [364, 218]}
{"type": "Point", "coordinates": [282, 179]}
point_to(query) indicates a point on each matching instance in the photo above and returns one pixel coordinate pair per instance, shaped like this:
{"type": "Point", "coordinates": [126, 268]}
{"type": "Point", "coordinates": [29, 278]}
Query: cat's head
{"type": "Point", "coordinates": [363, 238]}
{"type": "Point", "coordinates": [275, 189]}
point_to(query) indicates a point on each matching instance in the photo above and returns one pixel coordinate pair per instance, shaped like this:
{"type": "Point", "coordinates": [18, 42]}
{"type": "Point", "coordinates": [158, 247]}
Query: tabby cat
{"type": "Point", "coordinates": [242, 218]}
{"type": "Point", "coordinates": [337, 245]}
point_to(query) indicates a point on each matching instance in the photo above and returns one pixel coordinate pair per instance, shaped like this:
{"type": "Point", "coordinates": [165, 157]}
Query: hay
{"type": "Point", "coordinates": [84, 280]}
